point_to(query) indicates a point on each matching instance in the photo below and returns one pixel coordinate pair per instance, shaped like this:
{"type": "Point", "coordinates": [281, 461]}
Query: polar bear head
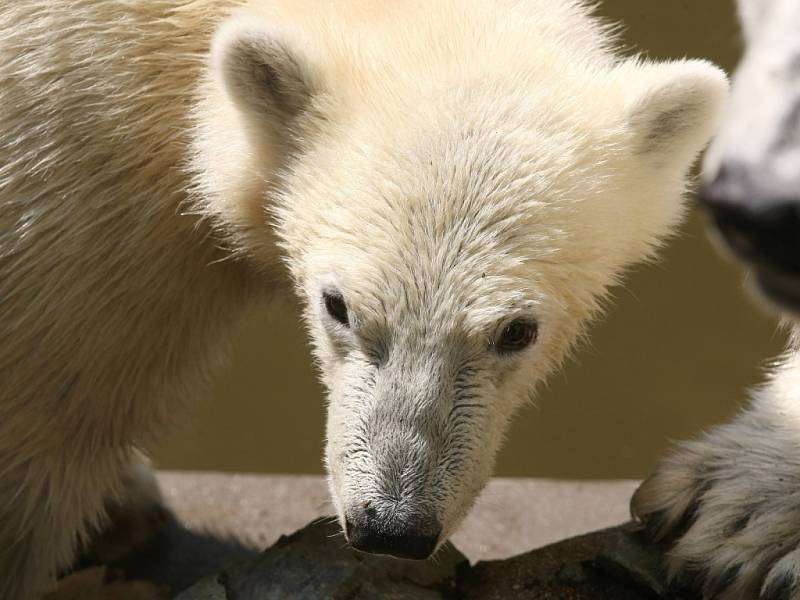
{"type": "Point", "coordinates": [455, 191]}
{"type": "Point", "coordinates": [751, 179]}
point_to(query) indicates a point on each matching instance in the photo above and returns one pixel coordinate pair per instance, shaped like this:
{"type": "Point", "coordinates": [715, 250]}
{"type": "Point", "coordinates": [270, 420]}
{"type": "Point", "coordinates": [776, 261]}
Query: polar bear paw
{"type": "Point", "coordinates": [727, 508]}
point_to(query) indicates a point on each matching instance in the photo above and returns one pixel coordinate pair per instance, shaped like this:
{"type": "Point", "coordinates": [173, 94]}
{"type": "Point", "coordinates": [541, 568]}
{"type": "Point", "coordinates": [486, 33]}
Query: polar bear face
{"type": "Point", "coordinates": [751, 173]}
{"type": "Point", "coordinates": [451, 231]}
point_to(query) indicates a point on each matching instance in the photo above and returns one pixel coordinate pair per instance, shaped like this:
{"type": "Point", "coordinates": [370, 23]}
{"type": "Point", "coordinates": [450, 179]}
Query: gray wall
{"type": "Point", "coordinates": [675, 354]}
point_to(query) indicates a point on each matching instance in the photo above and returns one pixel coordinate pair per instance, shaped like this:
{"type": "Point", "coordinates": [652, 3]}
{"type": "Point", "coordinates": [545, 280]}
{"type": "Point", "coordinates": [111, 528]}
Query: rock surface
{"type": "Point", "coordinates": [316, 563]}
{"type": "Point", "coordinates": [210, 547]}
{"type": "Point", "coordinates": [510, 517]}
{"type": "Point", "coordinates": [610, 564]}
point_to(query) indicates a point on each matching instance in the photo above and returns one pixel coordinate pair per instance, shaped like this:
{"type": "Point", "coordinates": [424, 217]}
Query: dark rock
{"type": "Point", "coordinates": [316, 563]}
{"type": "Point", "coordinates": [611, 564]}
{"type": "Point", "coordinates": [572, 574]}
{"type": "Point", "coordinates": [208, 588]}
{"type": "Point", "coordinates": [624, 556]}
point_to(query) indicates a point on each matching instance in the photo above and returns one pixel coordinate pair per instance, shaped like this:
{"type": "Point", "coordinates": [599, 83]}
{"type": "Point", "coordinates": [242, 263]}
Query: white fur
{"type": "Point", "coordinates": [728, 504]}
{"type": "Point", "coordinates": [446, 166]}
{"type": "Point", "coordinates": [761, 126]}
{"type": "Point", "coordinates": [509, 164]}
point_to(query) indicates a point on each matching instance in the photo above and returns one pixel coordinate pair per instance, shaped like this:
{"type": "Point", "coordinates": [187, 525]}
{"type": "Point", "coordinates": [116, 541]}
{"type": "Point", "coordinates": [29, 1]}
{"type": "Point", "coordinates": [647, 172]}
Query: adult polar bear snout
{"type": "Point", "coordinates": [452, 211]}
{"type": "Point", "coordinates": [751, 173]}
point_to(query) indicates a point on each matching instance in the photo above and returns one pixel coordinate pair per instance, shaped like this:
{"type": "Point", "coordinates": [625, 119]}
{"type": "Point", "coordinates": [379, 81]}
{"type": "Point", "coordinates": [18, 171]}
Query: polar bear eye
{"type": "Point", "coordinates": [517, 335]}
{"type": "Point", "coordinates": [336, 307]}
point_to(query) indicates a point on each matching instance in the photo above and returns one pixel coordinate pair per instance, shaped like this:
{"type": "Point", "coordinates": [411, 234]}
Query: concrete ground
{"type": "Point", "coordinates": [511, 516]}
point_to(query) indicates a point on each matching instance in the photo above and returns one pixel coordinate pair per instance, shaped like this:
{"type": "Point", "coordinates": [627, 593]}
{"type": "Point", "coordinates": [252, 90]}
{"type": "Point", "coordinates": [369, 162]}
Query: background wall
{"type": "Point", "coordinates": [674, 355]}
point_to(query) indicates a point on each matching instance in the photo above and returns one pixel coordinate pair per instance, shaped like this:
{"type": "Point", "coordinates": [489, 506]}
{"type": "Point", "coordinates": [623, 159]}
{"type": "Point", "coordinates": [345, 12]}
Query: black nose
{"type": "Point", "coordinates": [758, 217]}
{"type": "Point", "coordinates": [413, 541]}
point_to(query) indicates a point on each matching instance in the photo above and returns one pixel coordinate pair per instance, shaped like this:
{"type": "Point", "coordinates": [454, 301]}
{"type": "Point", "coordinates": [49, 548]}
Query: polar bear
{"type": "Point", "coordinates": [451, 187]}
{"type": "Point", "coordinates": [728, 504]}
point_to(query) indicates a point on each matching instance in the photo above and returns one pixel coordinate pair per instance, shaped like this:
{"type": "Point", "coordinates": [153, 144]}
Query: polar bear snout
{"type": "Point", "coordinates": [751, 178]}
{"type": "Point", "coordinates": [413, 537]}
{"type": "Point", "coordinates": [758, 218]}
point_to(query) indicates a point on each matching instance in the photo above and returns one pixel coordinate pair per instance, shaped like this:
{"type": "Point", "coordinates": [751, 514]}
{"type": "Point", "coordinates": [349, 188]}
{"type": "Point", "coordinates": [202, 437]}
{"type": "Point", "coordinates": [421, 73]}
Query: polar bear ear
{"type": "Point", "coordinates": [263, 69]}
{"type": "Point", "coordinates": [674, 109]}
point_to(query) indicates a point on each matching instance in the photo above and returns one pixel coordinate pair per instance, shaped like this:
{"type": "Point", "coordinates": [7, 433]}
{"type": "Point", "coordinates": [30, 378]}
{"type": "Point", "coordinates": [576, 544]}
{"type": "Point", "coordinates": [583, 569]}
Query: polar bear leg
{"type": "Point", "coordinates": [135, 515]}
{"type": "Point", "coordinates": [49, 506]}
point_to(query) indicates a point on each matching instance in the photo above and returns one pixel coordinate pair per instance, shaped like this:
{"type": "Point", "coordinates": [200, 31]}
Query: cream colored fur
{"type": "Point", "coordinates": [444, 166]}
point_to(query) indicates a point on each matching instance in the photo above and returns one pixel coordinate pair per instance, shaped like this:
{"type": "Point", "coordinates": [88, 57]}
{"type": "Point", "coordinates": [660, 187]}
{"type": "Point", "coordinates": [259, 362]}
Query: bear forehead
{"type": "Point", "coordinates": [462, 197]}
{"type": "Point", "coordinates": [459, 301]}
{"type": "Point", "coordinates": [437, 169]}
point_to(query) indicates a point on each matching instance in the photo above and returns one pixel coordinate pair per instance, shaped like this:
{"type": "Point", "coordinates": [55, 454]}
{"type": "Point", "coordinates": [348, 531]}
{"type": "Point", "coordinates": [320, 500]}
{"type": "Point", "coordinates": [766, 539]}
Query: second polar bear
{"type": "Point", "coordinates": [728, 503]}
{"type": "Point", "coordinates": [454, 186]}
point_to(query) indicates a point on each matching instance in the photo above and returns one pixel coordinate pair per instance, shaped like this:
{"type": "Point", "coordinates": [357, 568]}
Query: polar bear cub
{"type": "Point", "coordinates": [453, 186]}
